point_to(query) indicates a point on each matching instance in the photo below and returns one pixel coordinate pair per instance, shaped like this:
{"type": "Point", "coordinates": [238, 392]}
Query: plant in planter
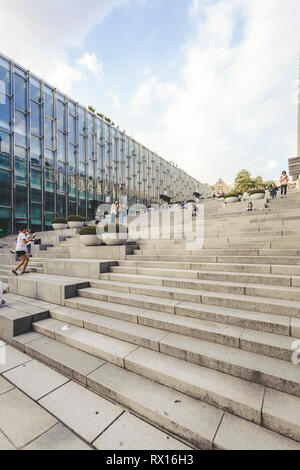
{"type": "Point", "coordinates": [113, 234]}
{"type": "Point", "coordinates": [88, 236]}
{"type": "Point", "coordinates": [75, 221]}
{"type": "Point", "coordinates": [59, 223]}
{"type": "Point", "coordinates": [232, 197]}
{"type": "Point", "coordinates": [258, 194]}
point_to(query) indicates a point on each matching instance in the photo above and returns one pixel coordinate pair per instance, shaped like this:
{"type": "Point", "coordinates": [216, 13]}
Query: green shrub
{"type": "Point", "coordinates": [59, 220]}
{"type": "Point", "coordinates": [88, 230]}
{"type": "Point", "coordinates": [75, 218]}
{"type": "Point", "coordinates": [190, 200]}
{"type": "Point", "coordinates": [257, 191]}
{"type": "Point", "coordinates": [113, 228]}
{"type": "Point", "coordinates": [105, 213]}
{"type": "Point", "coordinates": [231, 195]}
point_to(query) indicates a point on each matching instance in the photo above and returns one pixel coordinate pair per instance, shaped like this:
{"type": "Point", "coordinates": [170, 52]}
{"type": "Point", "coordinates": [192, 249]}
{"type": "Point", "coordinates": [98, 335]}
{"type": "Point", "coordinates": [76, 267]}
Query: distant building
{"type": "Point", "coordinates": [222, 187]}
{"type": "Point", "coordinates": [294, 163]}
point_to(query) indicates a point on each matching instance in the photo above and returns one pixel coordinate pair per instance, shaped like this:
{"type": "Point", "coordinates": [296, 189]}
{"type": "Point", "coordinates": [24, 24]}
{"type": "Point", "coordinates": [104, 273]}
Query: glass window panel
{"type": "Point", "coordinates": [107, 156]}
{"type": "Point", "coordinates": [72, 107]}
{"type": "Point", "coordinates": [99, 130]}
{"type": "Point", "coordinates": [61, 177]}
{"type": "Point", "coordinates": [5, 221]}
{"type": "Point", "coordinates": [36, 151]}
{"type": "Point", "coordinates": [82, 169]}
{"type": "Point", "coordinates": [82, 121]}
{"type": "Point", "coordinates": [36, 186]}
{"type": "Point", "coordinates": [20, 93]}
{"type": "Point", "coordinates": [91, 169]}
{"type": "Point", "coordinates": [72, 130]}
{"type": "Point", "coordinates": [48, 219]}
{"type": "Point", "coordinates": [4, 143]}
{"type": "Point", "coordinates": [49, 196]}
{"type": "Point", "coordinates": [72, 158]}
{"type": "Point", "coordinates": [82, 184]}
{"type": "Point", "coordinates": [61, 116]}
{"type": "Point", "coordinates": [5, 188]}
{"type": "Point", "coordinates": [82, 148]}
{"type": "Point", "coordinates": [5, 112]}
{"type": "Point", "coordinates": [61, 147]}
{"type": "Point", "coordinates": [91, 150]}
{"type": "Point", "coordinates": [20, 168]}
{"type": "Point", "coordinates": [72, 186]}
{"type": "Point", "coordinates": [5, 160]}
{"type": "Point", "coordinates": [21, 210]}
{"type": "Point", "coordinates": [49, 102]}
{"type": "Point", "coordinates": [20, 129]}
{"type": "Point", "coordinates": [91, 123]}
{"type": "Point", "coordinates": [49, 165]}
{"type": "Point", "coordinates": [35, 89]}
{"type": "Point", "coordinates": [49, 133]}
{"type": "Point", "coordinates": [36, 214]}
{"type": "Point", "coordinates": [61, 205]}
{"type": "Point", "coordinates": [107, 132]}
{"type": "Point", "coordinates": [35, 118]}
{"type": "Point", "coordinates": [5, 76]}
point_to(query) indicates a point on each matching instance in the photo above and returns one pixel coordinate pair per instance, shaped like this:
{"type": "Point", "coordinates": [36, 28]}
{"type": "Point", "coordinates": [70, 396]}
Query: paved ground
{"type": "Point", "coordinates": [41, 409]}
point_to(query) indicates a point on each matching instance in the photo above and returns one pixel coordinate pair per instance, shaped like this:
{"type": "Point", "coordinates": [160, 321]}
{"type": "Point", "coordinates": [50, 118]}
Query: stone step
{"type": "Point", "coordinates": [262, 342]}
{"type": "Point", "coordinates": [206, 347]}
{"type": "Point", "coordinates": [221, 267]}
{"type": "Point", "coordinates": [202, 425]}
{"type": "Point", "coordinates": [278, 260]}
{"type": "Point", "coordinates": [229, 393]}
{"type": "Point", "coordinates": [152, 302]}
{"type": "Point", "coordinates": [186, 317]}
{"type": "Point", "coordinates": [220, 252]}
{"type": "Point", "coordinates": [128, 273]}
{"type": "Point", "coordinates": [190, 289]}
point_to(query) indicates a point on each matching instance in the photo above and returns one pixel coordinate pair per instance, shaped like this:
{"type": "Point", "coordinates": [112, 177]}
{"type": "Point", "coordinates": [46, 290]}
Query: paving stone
{"type": "Point", "coordinates": [12, 358]}
{"type": "Point", "coordinates": [5, 386]}
{"type": "Point", "coordinates": [131, 433]}
{"type": "Point", "coordinates": [58, 438]}
{"type": "Point", "coordinates": [35, 379]}
{"type": "Point", "coordinates": [81, 410]}
{"type": "Point", "coordinates": [5, 444]}
{"type": "Point", "coordinates": [21, 419]}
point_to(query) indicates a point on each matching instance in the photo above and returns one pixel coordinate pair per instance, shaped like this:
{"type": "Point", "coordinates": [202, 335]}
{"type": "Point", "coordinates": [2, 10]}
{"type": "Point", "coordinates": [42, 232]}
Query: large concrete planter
{"type": "Point", "coordinates": [257, 196]}
{"type": "Point", "coordinates": [90, 240]}
{"type": "Point", "coordinates": [111, 239]}
{"type": "Point", "coordinates": [59, 226]}
{"type": "Point", "coordinates": [75, 224]}
{"type": "Point", "coordinates": [229, 200]}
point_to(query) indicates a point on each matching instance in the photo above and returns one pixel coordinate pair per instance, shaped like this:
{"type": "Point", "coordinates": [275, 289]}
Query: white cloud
{"type": "Point", "coordinates": [272, 165]}
{"type": "Point", "coordinates": [232, 107]}
{"type": "Point", "coordinates": [91, 62]}
{"type": "Point", "coordinates": [43, 32]}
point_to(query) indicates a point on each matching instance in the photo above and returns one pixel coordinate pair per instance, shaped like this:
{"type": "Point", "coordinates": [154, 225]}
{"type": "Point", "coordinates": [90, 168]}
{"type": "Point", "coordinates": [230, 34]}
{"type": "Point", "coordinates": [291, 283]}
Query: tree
{"type": "Point", "coordinates": [243, 181]}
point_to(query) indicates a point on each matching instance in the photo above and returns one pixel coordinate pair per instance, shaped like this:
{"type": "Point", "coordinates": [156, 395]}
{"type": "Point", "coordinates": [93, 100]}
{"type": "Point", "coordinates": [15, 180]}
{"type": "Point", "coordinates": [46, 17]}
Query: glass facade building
{"type": "Point", "coordinates": [57, 158]}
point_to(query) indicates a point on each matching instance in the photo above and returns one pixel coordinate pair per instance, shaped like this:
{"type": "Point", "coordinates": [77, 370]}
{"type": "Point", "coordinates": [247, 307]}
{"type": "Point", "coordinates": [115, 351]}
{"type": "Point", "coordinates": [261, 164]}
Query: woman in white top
{"type": "Point", "coordinates": [21, 251]}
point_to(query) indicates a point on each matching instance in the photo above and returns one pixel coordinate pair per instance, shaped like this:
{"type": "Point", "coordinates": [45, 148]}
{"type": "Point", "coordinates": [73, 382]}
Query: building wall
{"type": "Point", "coordinates": [57, 158]}
{"type": "Point", "coordinates": [222, 187]}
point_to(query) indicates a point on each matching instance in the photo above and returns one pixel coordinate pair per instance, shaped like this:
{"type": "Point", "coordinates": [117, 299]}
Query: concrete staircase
{"type": "Point", "coordinates": [197, 342]}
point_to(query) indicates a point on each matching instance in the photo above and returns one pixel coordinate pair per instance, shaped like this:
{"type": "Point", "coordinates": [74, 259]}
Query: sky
{"type": "Point", "coordinates": [209, 84]}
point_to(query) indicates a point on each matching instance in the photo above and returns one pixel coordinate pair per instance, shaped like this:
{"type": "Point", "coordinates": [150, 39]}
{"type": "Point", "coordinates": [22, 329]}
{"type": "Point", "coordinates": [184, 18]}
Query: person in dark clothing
{"type": "Point", "coordinates": [273, 191]}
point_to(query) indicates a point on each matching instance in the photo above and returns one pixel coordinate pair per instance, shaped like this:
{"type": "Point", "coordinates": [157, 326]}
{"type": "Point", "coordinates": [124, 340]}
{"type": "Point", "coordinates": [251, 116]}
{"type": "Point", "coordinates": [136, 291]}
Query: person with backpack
{"type": "Point", "coordinates": [21, 252]}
